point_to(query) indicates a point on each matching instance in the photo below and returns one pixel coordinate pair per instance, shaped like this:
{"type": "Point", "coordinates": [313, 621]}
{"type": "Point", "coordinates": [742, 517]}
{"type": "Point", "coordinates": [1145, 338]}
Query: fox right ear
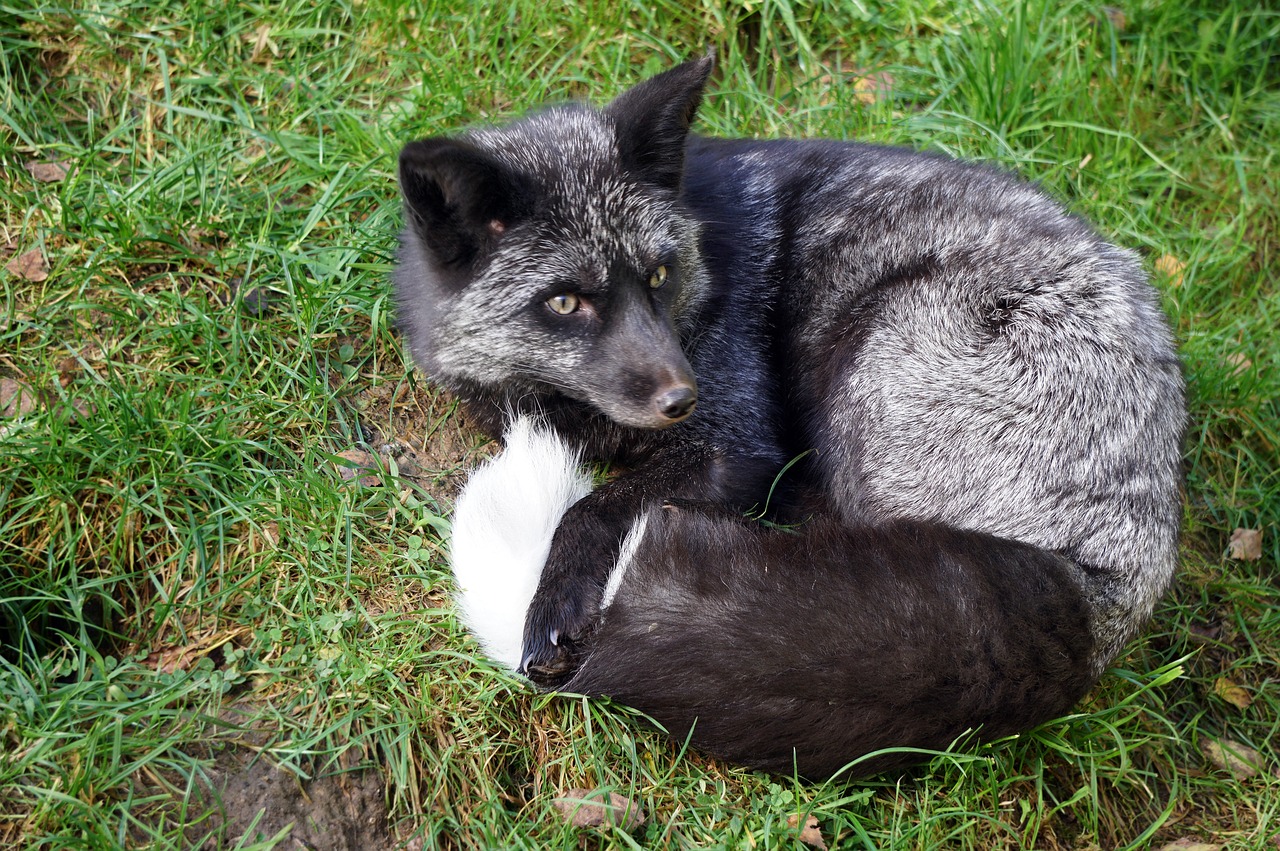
{"type": "Point", "coordinates": [653, 121]}
{"type": "Point", "coordinates": [459, 198]}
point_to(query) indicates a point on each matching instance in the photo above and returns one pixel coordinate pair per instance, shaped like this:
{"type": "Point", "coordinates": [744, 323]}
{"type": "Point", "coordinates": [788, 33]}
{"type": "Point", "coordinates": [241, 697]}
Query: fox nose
{"type": "Point", "coordinates": [676, 402]}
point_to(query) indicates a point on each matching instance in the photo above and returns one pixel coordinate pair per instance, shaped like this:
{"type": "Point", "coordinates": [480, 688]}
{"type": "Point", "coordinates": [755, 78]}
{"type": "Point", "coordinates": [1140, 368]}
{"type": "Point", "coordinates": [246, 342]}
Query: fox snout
{"type": "Point", "coordinates": [648, 399]}
{"type": "Point", "coordinates": [639, 375]}
{"type": "Point", "coordinates": [676, 401]}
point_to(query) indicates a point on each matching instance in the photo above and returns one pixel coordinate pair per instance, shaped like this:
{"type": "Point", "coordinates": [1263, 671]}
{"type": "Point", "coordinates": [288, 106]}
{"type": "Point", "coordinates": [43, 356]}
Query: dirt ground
{"type": "Point", "coordinates": [255, 800]}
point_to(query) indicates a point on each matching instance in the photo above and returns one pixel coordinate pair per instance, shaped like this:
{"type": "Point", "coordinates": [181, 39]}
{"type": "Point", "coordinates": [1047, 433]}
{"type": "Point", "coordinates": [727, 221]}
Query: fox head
{"type": "Point", "coordinates": [553, 254]}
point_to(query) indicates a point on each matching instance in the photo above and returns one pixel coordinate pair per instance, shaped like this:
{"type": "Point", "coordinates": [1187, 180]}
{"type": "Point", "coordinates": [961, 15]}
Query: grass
{"type": "Point", "coordinates": [176, 533]}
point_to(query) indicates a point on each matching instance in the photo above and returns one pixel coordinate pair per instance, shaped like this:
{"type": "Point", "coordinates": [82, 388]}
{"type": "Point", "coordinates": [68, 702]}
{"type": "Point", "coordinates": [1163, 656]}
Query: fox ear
{"type": "Point", "coordinates": [458, 198]}
{"type": "Point", "coordinates": [653, 121]}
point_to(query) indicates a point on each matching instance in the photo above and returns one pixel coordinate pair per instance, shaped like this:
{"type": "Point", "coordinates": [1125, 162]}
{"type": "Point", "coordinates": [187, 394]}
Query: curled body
{"type": "Point", "coordinates": [983, 394]}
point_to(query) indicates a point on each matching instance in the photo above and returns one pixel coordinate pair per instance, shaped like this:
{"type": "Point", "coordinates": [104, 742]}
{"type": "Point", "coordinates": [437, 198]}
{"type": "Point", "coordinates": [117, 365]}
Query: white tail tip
{"type": "Point", "coordinates": [502, 527]}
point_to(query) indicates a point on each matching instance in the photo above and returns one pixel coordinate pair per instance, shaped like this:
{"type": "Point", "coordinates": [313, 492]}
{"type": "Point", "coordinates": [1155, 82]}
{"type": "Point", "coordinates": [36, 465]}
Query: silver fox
{"type": "Point", "coordinates": [983, 396]}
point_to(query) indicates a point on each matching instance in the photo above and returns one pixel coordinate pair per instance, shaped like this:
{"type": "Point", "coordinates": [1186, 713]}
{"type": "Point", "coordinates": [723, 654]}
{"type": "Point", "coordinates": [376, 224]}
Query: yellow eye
{"type": "Point", "coordinates": [658, 278]}
{"type": "Point", "coordinates": [564, 304]}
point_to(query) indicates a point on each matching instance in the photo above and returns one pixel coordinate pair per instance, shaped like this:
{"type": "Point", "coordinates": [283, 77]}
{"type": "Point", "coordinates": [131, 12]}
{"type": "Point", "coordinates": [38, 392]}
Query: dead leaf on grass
{"type": "Point", "coordinates": [48, 172]}
{"type": "Point", "coordinates": [1232, 692]}
{"type": "Point", "coordinates": [172, 659]}
{"type": "Point", "coordinates": [1202, 634]}
{"type": "Point", "coordinates": [1246, 545]}
{"type": "Point", "coordinates": [68, 368]}
{"type": "Point", "coordinates": [16, 398]}
{"type": "Point", "coordinates": [597, 808]}
{"type": "Point", "coordinates": [1171, 268]}
{"type": "Point", "coordinates": [1239, 362]}
{"type": "Point", "coordinates": [255, 301]}
{"type": "Point", "coordinates": [873, 87]}
{"type": "Point", "coordinates": [1232, 757]}
{"type": "Point", "coordinates": [81, 409]}
{"type": "Point", "coordinates": [1190, 843]}
{"type": "Point", "coordinates": [29, 266]}
{"type": "Point", "coordinates": [262, 43]}
{"type": "Point", "coordinates": [404, 456]}
{"type": "Point", "coordinates": [809, 834]}
{"type": "Point", "coordinates": [1117, 17]}
{"type": "Point", "coordinates": [361, 466]}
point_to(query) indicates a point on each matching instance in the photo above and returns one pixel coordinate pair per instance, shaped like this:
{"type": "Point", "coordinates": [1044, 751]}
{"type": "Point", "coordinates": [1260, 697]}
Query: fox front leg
{"type": "Point", "coordinates": [566, 607]}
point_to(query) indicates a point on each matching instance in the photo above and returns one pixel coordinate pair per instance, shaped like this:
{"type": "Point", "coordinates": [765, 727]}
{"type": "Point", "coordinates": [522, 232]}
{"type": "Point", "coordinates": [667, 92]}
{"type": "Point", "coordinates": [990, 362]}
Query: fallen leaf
{"type": "Point", "coordinates": [1116, 16]}
{"type": "Point", "coordinates": [1232, 693]}
{"type": "Point", "coordinates": [68, 368]}
{"type": "Point", "coordinates": [172, 659]}
{"type": "Point", "coordinates": [873, 87]}
{"type": "Point", "coordinates": [359, 466]}
{"type": "Point", "coordinates": [1245, 545]}
{"type": "Point", "coordinates": [809, 834]}
{"type": "Point", "coordinates": [1190, 843]}
{"type": "Point", "coordinates": [29, 266]}
{"type": "Point", "coordinates": [1171, 268]}
{"type": "Point", "coordinates": [82, 410]}
{"type": "Point", "coordinates": [256, 301]}
{"type": "Point", "coordinates": [1204, 634]}
{"type": "Point", "coordinates": [596, 808]}
{"type": "Point", "coordinates": [16, 398]}
{"type": "Point", "coordinates": [262, 42]}
{"type": "Point", "coordinates": [1240, 363]}
{"type": "Point", "coordinates": [48, 172]}
{"type": "Point", "coordinates": [1232, 757]}
{"type": "Point", "coordinates": [406, 459]}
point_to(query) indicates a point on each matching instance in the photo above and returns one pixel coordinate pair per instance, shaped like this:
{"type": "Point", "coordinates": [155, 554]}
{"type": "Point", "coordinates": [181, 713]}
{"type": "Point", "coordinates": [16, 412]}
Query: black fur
{"type": "Point", "coordinates": [831, 643]}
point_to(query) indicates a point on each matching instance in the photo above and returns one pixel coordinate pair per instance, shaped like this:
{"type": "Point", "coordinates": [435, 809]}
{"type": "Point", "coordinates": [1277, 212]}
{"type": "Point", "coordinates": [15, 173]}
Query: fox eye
{"type": "Point", "coordinates": [658, 278]}
{"type": "Point", "coordinates": [564, 303]}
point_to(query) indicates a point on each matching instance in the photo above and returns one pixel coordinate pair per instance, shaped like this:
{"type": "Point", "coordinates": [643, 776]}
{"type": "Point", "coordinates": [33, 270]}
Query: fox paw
{"type": "Point", "coordinates": [556, 633]}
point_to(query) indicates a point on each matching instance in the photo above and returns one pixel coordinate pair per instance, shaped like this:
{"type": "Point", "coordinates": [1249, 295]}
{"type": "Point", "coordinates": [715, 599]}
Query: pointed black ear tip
{"type": "Point", "coordinates": [422, 151]}
{"type": "Point", "coordinates": [415, 154]}
{"type": "Point", "coordinates": [703, 65]}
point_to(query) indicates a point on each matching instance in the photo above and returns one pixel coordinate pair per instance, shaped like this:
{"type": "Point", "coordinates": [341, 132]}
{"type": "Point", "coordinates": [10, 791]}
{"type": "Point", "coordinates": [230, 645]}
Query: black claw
{"type": "Point", "coordinates": [559, 624]}
{"type": "Point", "coordinates": [551, 672]}
{"type": "Point", "coordinates": [551, 655]}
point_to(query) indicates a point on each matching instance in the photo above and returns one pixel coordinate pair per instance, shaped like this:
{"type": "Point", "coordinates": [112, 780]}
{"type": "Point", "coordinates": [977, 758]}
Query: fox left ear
{"type": "Point", "coordinates": [653, 121]}
{"type": "Point", "coordinates": [458, 197]}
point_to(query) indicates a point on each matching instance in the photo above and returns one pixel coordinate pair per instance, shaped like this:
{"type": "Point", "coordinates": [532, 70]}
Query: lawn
{"type": "Point", "coordinates": [224, 489]}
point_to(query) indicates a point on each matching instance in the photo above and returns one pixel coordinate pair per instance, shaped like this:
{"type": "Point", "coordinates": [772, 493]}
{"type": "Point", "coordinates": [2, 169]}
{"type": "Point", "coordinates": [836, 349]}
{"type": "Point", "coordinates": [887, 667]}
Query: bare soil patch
{"type": "Point", "coordinates": [256, 800]}
{"type": "Point", "coordinates": [423, 432]}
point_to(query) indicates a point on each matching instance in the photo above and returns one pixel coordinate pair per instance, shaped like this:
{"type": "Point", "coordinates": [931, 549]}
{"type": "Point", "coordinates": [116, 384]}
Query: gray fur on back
{"type": "Point", "coordinates": [1013, 372]}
